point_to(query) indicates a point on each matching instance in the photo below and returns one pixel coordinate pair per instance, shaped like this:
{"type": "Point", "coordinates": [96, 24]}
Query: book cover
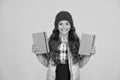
{"type": "Point", "coordinates": [40, 39]}
{"type": "Point", "coordinates": [86, 43]}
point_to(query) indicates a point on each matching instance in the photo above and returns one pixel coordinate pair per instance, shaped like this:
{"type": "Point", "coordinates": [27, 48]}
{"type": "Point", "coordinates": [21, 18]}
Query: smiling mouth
{"type": "Point", "coordinates": [64, 30]}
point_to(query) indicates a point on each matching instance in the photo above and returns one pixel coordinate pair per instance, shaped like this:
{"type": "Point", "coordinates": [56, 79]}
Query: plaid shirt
{"type": "Point", "coordinates": [63, 56]}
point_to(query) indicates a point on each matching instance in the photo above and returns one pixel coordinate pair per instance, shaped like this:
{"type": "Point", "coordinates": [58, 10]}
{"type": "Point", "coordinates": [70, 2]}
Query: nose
{"type": "Point", "coordinates": [64, 26]}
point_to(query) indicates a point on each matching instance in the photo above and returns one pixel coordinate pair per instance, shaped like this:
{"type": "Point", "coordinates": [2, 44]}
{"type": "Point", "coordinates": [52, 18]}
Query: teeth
{"type": "Point", "coordinates": [64, 29]}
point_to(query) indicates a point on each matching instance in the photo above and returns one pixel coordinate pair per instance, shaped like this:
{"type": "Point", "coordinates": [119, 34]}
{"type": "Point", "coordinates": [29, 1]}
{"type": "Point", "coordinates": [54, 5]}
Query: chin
{"type": "Point", "coordinates": [64, 33]}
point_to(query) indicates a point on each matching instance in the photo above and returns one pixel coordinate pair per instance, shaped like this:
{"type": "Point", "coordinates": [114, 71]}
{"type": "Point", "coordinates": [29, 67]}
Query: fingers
{"type": "Point", "coordinates": [35, 48]}
{"type": "Point", "coordinates": [93, 50]}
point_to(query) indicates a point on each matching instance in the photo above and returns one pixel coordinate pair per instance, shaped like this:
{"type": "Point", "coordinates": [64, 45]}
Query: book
{"type": "Point", "coordinates": [40, 39]}
{"type": "Point", "coordinates": [86, 43]}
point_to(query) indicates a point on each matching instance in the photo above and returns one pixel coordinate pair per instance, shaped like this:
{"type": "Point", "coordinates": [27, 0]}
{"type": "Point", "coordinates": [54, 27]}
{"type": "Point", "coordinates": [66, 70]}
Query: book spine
{"type": "Point", "coordinates": [93, 40]}
{"type": "Point", "coordinates": [45, 41]}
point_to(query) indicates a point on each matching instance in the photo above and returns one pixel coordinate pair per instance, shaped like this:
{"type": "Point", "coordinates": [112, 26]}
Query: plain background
{"type": "Point", "coordinates": [20, 18]}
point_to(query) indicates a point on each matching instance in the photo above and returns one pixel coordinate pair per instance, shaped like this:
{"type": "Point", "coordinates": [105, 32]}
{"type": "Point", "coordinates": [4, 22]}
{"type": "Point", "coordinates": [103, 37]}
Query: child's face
{"type": "Point", "coordinates": [64, 26]}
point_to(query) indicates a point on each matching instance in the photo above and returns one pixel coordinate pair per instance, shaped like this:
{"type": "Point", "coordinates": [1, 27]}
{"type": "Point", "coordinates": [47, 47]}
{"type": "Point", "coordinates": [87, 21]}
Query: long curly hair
{"type": "Point", "coordinates": [73, 39]}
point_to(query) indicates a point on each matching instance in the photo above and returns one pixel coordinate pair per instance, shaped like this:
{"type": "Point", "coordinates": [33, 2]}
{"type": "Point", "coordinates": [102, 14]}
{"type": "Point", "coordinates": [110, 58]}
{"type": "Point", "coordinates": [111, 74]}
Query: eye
{"type": "Point", "coordinates": [67, 23]}
{"type": "Point", "coordinates": [60, 24]}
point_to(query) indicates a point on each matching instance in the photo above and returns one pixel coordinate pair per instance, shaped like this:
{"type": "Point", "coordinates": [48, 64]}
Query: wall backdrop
{"type": "Point", "coordinates": [20, 18]}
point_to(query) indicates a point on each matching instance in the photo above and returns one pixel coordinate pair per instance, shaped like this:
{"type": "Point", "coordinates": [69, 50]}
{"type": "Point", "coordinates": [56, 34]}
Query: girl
{"type": "Point", "coordinates": [63, 61]}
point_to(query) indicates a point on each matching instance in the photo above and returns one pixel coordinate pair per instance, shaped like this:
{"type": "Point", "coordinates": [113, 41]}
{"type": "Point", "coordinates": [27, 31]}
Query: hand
{"type": "Point", "coordinates": [35, 48]}
{"type": "Point", "coordinates": [93, 50]}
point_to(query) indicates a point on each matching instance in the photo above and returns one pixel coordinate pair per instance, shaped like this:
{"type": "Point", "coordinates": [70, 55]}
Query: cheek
{"type": "Point", "coordinates": [69, 28]}
{"type": "Point", "coordinates": [59, 28]}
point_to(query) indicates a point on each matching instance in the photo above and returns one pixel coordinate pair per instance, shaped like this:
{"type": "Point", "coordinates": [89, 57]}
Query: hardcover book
{"type": "Point", "coordinates": [86, 43]}
{"type": "Point", "coordinates": [40, 39]}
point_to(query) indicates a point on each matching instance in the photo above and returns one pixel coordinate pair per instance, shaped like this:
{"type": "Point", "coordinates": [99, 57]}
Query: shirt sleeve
{"type": "Point", "coordinates": [84, 61]}
{"type": "Point", "coordinates": [43, 59]}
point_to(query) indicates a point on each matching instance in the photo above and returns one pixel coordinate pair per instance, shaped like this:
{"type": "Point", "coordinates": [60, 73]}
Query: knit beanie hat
{"type": "Point", "coordinates": [63, 15]}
